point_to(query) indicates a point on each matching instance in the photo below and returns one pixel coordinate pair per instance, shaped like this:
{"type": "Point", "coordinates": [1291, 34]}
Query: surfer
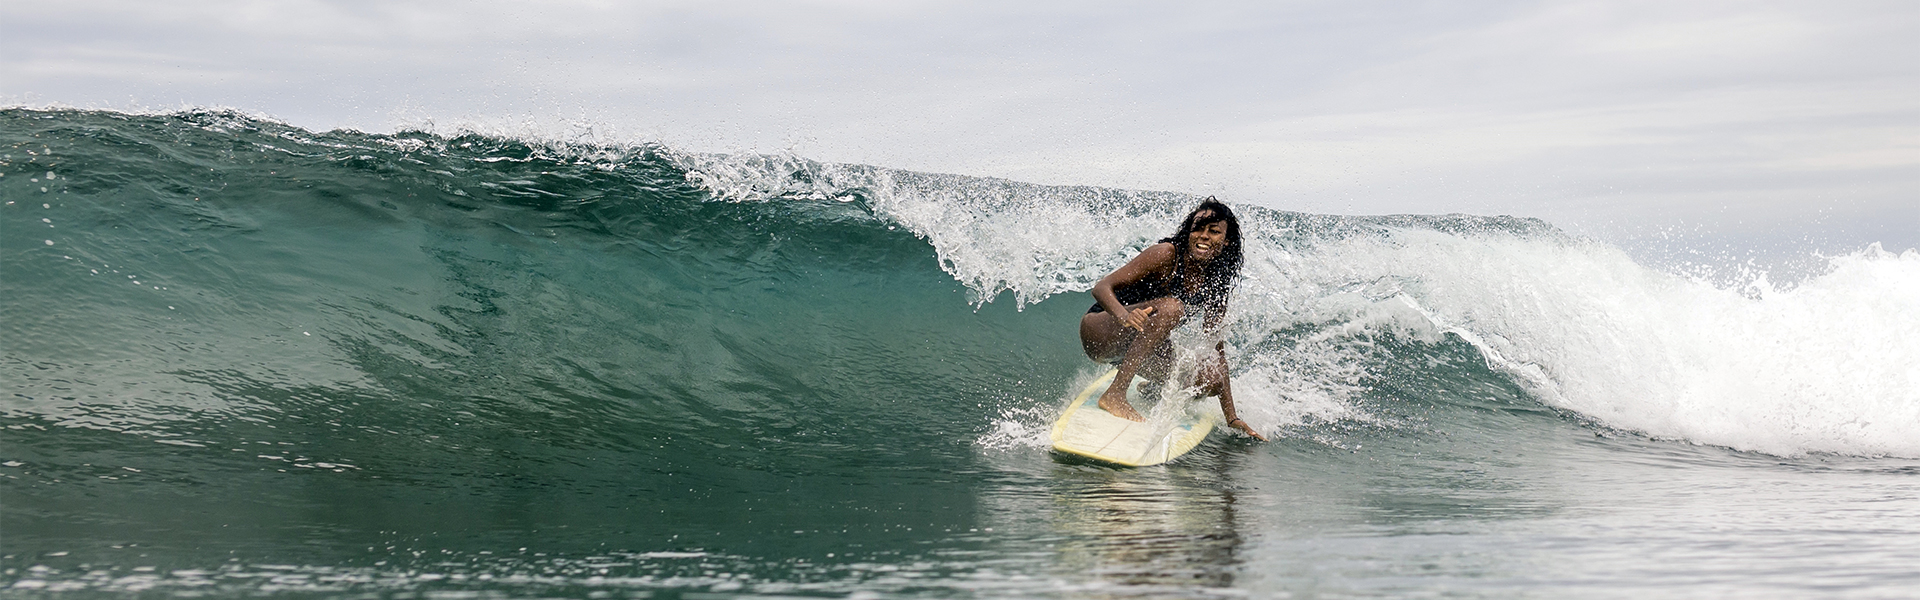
{"type": "Point", "coordinates": [1137, 307]}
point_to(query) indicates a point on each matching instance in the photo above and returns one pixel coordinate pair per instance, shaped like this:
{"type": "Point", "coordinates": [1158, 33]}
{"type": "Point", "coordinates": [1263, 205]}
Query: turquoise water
{"type": "Point", "coordinates": [245, 359]}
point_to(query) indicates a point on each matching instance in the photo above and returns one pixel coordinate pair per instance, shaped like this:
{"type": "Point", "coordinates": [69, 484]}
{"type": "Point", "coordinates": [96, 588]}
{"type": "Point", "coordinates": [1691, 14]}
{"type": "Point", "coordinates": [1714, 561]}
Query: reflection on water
{"type": "Point", "coordinates": [1155, 532]}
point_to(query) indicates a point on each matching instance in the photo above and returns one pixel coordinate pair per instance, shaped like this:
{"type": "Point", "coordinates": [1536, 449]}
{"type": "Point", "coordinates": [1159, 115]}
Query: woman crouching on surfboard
{"type": "Point", "coordinates": [1137, 307]}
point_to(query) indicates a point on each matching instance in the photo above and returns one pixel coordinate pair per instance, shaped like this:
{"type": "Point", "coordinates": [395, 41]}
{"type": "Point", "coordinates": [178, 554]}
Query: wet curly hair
{"type": "Point", "coordinates": [1225, 269]}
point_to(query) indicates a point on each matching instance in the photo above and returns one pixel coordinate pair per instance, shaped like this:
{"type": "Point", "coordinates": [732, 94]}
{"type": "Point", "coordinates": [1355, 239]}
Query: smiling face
{"type": "Point", "coordinates": [1207, 241]}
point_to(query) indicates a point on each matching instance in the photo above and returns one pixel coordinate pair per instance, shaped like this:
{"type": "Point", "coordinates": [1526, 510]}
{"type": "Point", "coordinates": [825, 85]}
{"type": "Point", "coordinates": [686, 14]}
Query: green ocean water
{"type": "Point", "coordinates": [245, 359]}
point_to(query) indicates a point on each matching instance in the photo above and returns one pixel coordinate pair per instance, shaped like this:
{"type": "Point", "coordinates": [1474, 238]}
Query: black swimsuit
{"type": "Point", "coordinates": [1173, 284]}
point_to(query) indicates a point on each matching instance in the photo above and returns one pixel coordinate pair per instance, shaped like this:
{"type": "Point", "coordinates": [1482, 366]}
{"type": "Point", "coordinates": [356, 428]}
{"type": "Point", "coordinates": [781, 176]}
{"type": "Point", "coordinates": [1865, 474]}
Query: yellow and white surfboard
{"type": "Point", "coordinates": [1086, 430]}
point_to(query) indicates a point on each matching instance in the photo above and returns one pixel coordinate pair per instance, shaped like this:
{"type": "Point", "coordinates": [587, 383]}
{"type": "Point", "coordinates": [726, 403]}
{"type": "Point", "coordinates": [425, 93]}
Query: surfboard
{"type": "Point", "coordinates": [1086, 430]}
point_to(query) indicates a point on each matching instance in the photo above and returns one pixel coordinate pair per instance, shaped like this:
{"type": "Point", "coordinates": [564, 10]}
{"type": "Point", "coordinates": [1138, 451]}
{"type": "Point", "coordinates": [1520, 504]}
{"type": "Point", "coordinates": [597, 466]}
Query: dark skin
{"type": "Point", "coordinates": [1138, 334]}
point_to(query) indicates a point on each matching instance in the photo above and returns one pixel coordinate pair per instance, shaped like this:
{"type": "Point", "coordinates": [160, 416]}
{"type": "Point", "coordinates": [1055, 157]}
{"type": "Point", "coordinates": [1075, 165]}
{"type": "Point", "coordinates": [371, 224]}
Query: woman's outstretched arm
{"type": "Point", "coordinates": [1214, 373]}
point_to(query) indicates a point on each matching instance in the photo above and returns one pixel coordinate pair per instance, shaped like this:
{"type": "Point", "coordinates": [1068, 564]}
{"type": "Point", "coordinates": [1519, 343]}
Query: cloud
{"type": "Point", "coordinates": [1587, 113]}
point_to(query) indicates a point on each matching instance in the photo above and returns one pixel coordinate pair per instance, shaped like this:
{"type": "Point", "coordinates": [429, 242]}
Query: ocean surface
{"type": "Point", "coordinates": [243, 359]}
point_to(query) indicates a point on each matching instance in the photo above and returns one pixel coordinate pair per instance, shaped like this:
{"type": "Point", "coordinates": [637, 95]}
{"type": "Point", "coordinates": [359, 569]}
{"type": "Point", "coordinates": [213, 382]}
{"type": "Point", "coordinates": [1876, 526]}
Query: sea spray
{"type": "Point", "coordinates": [993, 235]}
{"type": "Point", "coordinates": [1825, 367]}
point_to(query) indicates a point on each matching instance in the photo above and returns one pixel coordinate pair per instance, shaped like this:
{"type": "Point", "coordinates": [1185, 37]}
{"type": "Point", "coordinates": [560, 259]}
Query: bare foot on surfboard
{"type": "Point", "coordinates": [1117, 405]}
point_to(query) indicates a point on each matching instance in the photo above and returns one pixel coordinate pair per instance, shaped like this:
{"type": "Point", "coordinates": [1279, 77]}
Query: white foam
{"type": "Point", "coordinates": [992, 235]}
{"type": "Point", "coordinates": [1036, 241]}
{"type": "Point", "coordinates": [1020, 426]}
{"type": "Point", "coordinates": [1831, 365]}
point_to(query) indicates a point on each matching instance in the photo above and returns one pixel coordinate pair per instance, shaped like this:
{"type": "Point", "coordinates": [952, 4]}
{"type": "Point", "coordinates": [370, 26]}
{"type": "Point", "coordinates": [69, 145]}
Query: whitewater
{"type": "Point", "coordinates": [242, 358]}
{"type": "Point", "coordinates": [1828, 365]}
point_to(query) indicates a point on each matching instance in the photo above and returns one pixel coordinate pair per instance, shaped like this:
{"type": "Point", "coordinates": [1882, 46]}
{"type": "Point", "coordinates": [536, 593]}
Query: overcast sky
{"type": "Point", "coordinates": [1787, 125]}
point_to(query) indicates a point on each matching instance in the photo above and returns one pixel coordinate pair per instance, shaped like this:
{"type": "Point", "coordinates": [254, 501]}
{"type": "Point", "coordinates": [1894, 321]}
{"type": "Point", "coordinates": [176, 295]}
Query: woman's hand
{"type": "Point", "coordinates": [1242, 425]}
{"type": "Point", "coordinates": [1137, 318]}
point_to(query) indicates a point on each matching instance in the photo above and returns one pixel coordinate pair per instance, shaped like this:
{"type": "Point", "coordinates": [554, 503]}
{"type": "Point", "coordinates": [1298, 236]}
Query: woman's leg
{"type": "Point", "coordinates": [1147, 352]}
{"type": "Point", "coordinates": [1105, 340]}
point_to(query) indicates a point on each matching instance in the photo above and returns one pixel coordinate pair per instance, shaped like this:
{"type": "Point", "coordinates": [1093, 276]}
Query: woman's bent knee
{"type": "Point", "coordinates": [1100, 336]}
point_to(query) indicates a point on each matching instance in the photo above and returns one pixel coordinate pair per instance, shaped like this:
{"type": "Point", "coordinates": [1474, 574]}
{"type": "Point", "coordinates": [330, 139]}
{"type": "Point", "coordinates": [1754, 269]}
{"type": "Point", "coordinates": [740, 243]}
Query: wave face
{"type": "Point", "coordinates": [222, 328]}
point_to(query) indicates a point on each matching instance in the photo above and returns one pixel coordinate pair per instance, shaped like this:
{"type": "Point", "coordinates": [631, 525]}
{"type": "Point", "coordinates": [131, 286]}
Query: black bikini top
{"type": "Point", "coordinates": [1172, 284]}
